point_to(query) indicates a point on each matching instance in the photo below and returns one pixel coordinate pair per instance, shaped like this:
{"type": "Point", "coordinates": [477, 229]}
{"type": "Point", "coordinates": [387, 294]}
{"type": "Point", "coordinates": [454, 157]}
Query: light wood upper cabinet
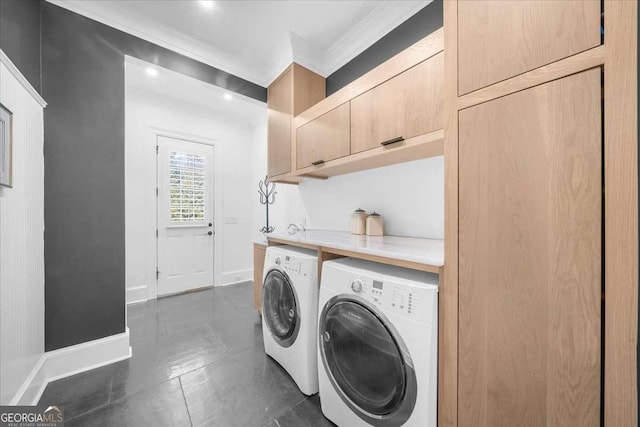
{"type": "Point", "coordinates": [530, 250]}
{"type": "Point", "coordinates": [503, 38]}
{"type": "Point", "coordinates": [325, 138]}
{"type": "Point", "coordinates": [293, 92]}
{"type": "Point", "coordinates": [280, 115]}
{"type": "Point", "coordinates": [406, 106]}
{"type": "Point", "coordinates": [401, 97]}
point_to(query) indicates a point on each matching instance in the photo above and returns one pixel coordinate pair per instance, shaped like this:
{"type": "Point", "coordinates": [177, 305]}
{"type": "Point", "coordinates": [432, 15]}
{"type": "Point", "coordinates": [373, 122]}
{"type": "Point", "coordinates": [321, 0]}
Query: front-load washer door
{"type": "Point", "coordinates": [280, 309]}
{"type": "Point", "coordinates": [367, 362]}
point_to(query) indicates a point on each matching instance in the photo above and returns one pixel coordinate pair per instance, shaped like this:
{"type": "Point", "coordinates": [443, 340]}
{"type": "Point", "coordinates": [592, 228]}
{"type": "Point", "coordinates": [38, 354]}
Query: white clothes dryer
{"type": "Point", "coordinates": [378, 341]}
{"type": "Point", "coordinates": [290, 312]}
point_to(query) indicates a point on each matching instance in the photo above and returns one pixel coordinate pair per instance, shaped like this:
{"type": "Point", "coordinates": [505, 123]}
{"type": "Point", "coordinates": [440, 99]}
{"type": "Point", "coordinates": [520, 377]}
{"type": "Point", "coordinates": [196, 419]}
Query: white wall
{"type": "Point", "coordinates": [288, 207]}
{"type": "Point", "coordinates": [234, 187]}
{"type": "Point", "coordinates": [410, 197]}
{"type": "Point", "coordinates": [21, 241]}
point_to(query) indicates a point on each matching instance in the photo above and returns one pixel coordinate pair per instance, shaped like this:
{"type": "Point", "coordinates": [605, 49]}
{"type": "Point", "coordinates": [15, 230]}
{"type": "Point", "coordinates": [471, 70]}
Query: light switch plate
{"type": "Point", "coordinates": [230, 219]}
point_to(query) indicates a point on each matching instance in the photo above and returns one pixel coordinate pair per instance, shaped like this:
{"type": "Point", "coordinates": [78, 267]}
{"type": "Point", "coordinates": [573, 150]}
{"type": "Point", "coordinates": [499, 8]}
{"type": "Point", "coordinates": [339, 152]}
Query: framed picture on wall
{"type": "Point", "coordinates": [6, 145]}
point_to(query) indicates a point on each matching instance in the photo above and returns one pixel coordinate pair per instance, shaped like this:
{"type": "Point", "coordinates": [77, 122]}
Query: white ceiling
{"type": "Point", "coordinates": [184, 89]}
{"type": "Point", "coordinates": [255, 40]}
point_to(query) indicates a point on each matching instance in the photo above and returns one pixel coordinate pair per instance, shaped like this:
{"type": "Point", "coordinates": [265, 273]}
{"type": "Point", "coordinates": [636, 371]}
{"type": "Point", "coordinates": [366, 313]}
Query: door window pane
{"type": "Point", "coordinates": [186, 187]}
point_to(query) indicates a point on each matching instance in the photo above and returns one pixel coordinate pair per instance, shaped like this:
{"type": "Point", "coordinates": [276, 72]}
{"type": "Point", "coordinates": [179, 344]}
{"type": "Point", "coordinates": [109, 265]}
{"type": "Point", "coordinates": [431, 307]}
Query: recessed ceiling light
{"type": "Point", "coordinates": [151, 71]}
{"type": "Point", "coordinates": [207, 4]}
{"type": "Point", "coordinates": [228, 96]}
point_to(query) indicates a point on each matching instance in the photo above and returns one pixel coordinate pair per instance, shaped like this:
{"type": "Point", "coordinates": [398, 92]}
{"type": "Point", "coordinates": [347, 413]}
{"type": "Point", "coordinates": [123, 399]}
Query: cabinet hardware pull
{"type": "Point", "coordinates": [392, 141]}
{"type": "Point", "coordinates": [317, 162]}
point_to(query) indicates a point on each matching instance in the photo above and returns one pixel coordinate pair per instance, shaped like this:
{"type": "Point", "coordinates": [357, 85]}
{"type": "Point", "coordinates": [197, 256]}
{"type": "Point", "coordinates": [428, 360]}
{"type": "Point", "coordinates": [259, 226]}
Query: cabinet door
{"type": "Point", "coordinates": [325, 138]}
{"type": "Point", "coordinates": [280, 110]}
{"type": "Point", "coordinates": [500, 39]}
{"type": "Point", "coordinates": [407, 105]}
{"type": "Point", "coordinates": [530, 254]}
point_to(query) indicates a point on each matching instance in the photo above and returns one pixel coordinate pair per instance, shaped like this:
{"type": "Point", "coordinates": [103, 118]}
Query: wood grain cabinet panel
{"type": "Point", "coordinates": [406, 106]}
{"type": "Point", "coordinates": [530, 256]}
{"type": "Point", "coordinates": [280, 116]}
{"type": "Point", "coordinates": [325, 138]}
{"type": "Point", "coordinates": [295, 90]}
{"type": "Point", "coordinates": [500, 39]}
{"type": "Point", "coordinates": [259, 253]}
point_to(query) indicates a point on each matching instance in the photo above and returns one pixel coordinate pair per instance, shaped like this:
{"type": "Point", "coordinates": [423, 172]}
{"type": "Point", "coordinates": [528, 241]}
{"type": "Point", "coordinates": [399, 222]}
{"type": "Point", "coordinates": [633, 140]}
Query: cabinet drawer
{"type": "Point", "coordinates": [323, 139]}
{"type": "Point", "coordinates": [406, 106]}
{"type": "Point", "coordinates": [501, 39]}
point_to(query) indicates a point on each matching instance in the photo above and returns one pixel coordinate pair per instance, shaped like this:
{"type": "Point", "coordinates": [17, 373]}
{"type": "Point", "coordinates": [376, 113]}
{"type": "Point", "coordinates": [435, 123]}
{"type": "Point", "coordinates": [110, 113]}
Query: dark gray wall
{"type": "Point", "coordinates": [83, 83]}
{"type": "Point", "coordinates": [417, 27]}
{"type": "Point", "coordinates": [20, 36]}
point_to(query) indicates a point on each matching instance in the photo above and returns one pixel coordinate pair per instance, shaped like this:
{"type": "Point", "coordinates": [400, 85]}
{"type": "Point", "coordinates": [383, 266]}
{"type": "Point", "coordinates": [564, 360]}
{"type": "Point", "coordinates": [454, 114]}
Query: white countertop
{"type": "Point", "coordinates": [414, 249]}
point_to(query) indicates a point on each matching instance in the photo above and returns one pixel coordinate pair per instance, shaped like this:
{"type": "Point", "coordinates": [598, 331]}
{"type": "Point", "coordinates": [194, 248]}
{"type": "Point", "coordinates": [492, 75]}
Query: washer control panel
{"type": "Point", "coordinates": [294, 266]}
{"type": "Point", "coordinates": [415, 302]}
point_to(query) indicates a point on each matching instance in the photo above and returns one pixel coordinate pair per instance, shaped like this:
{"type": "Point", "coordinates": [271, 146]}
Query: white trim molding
{"type": "Point", "coordinates": [377, 24]}
{"type": "Point", "coordinates": [72, 360]}
{"type": "Point", "coordinates": [234, 277]}
{"type": "Point", "coordinates": [372, 27]}
{"type": "Point", "coordinates": [137, 294]}
{"type": "Point", "coordinates": [171, 39]}
{"type": "Point", "coordinates": [4, 59]}
{"type": "Point", "coordinates": [387, 16]}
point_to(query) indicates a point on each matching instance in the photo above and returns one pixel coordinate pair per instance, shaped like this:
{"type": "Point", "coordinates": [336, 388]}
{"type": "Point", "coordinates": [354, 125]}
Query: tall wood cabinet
{"type": "Point", "coordinates": [295, 90]}
{"type": "Point", "coordinates": [530, 249]}
{"type": "Point", "coordinates": [538, 310]}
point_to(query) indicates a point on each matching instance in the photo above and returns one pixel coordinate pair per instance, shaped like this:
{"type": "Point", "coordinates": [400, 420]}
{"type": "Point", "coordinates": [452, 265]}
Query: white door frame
{"type": "Point", "coordinates": [152, 291]}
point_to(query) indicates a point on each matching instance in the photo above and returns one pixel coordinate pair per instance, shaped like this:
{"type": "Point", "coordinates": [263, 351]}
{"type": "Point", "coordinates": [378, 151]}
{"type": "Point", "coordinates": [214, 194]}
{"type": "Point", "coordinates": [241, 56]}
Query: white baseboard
{"type": "Point", "coordinates": [30, 387]}
{"type": "Point", "coordinates": [238, 276]}
{"type": "Point", "coordinates": [72, 360]}
{"type": "Point", "coordinates": [137, 294]}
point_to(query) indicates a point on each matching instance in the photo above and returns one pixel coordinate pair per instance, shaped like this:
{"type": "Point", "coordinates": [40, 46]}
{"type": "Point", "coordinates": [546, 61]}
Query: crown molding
{"type": "Point", "coordinates": [4, 59]}
{"type": "Point", "coordinates": [307, 54]}
{"type": "Point", "coordinates": [198, 50]}
{"type": "Point", "coordinates": [281, 58]}
{"type": "Point", "coordinates": [378, 23]}
{"type": "Point", "coordinates": [388, 15]}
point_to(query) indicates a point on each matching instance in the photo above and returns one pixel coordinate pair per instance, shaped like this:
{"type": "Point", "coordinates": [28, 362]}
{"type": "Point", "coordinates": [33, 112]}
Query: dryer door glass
{"type": "Point", "coordinates": [363, 358]}
{"type": "Point", "coordinates": [279, 308]}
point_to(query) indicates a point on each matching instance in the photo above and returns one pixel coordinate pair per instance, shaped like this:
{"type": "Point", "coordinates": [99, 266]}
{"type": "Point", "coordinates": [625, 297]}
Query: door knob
{"type": "Point", "coordinates": [210, 224]}
{"type": "Point", "coordinates": [210, 233]}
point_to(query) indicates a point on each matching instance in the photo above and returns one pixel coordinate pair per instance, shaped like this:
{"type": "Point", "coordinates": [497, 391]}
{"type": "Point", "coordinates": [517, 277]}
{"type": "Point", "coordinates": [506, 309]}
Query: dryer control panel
{"type": "Point", "coordinates": [415, 302]}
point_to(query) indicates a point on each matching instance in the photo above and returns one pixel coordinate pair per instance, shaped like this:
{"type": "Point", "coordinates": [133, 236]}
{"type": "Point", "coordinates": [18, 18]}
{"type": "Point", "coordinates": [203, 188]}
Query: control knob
{"type": "Point", "coordinates": [356, 285]}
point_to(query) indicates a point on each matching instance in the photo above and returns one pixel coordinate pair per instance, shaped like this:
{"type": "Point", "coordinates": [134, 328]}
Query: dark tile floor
{"type": "Point", "coordinates": [198, 360]}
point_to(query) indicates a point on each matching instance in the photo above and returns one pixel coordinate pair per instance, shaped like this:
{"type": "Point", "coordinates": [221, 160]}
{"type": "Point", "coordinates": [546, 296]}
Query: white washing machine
{"type": "Point", "coordinates": [290, 312]}
{"type": "Point", "coordinates": [378, 342]}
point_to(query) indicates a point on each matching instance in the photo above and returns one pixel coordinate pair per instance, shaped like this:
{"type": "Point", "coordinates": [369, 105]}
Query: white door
{"type": "Point", "coordinates": [185, 215]}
